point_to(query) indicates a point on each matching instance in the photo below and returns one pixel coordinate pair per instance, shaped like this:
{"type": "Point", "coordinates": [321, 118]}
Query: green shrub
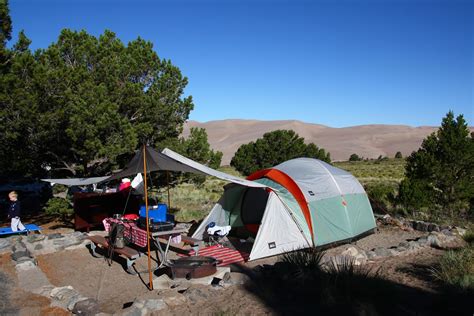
{"type": "Point", "coordinates": [58, 207]}
{"type": "Point", "coordinates": [456, 269]}
{"type": "Point", "coordinates": [381, 196]}
{"type": "Point", "coordinates": [469, 236]}
{"type": "Point", "coordinates": [355, 157]}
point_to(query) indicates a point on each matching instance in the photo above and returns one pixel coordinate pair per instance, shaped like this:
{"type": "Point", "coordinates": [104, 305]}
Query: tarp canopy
{"type": "Point", "coordinates": [166, 160]}
{"type": "Point", "coordinates": [76, 181]}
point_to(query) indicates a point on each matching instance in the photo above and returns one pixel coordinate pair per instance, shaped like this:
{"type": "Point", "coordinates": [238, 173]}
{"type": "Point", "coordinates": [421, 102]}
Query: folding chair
{"type": "Point", "coordinates": [217, 234]}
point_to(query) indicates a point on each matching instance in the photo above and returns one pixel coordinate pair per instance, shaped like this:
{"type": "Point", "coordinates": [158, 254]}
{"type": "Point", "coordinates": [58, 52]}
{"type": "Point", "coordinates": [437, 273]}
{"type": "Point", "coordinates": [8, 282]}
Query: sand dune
{"type": "Point", "coordinates": [368, 141]}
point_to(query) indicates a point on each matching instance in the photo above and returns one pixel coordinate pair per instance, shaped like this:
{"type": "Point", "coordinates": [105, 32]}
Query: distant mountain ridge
{"type": "Point", "coordinates": [368, 141]}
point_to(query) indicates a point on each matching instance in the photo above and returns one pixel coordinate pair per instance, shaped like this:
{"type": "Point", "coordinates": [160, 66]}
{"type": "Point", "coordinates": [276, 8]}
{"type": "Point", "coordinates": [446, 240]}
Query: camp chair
{"type": "Point", "coordinates": [217, 234]}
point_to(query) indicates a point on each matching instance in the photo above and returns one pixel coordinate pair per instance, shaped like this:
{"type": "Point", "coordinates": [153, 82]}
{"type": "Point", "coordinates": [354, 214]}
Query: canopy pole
{"type": "Point", "coordinates": [168, 184]}
{"type": "Point", "coordinates": [150, 286]}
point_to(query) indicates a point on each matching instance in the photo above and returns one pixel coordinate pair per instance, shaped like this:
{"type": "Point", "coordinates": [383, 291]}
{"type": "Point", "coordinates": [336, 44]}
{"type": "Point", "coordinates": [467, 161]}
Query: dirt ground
{"type": "Point", "coordinates": [115, 289]}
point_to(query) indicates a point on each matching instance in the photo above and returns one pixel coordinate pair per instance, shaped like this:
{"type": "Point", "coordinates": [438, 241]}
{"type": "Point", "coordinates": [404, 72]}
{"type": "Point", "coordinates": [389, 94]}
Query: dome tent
{"type": "Point", "coordinates": [307, 203]}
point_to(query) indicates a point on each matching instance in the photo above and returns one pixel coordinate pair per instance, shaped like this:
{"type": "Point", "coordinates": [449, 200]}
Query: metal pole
{"type": "Point", "coordinates": [168, 184]}
{"type": "Point", "coordinates": [147, 221]}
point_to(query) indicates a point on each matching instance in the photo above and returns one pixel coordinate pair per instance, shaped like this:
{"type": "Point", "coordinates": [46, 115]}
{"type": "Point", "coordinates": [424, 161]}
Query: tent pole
{"type": "Point", "coordinates": [168, 184]}
{"type": "Point", "coordinates": [150, 286]}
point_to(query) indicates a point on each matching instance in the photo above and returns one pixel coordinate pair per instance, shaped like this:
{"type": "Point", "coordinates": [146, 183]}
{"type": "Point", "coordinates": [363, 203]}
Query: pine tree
{"type": "Point", "coordinates": [443, 168]}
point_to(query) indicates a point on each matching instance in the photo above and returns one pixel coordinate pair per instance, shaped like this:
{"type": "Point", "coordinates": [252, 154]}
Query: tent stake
{"type": "Point", "coordinates": [150, 286]}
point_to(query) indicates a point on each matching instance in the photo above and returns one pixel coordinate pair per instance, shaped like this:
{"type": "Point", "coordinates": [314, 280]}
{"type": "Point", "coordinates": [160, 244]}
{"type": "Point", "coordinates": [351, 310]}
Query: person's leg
{"type": "Point", "coordinates": [20, 225]}
{"type": "Point", "coordinates": [14, 224]}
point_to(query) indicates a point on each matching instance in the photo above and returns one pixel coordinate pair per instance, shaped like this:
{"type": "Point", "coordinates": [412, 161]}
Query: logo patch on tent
{"type": "Point", "coordinates": [272, 245]}
{"type": "Point", "coordinates": [311, 193]}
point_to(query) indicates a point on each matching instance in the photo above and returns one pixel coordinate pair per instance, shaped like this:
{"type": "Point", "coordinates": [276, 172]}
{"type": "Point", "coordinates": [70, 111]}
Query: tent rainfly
{"type": "Point", "coordinates": [306, 203]}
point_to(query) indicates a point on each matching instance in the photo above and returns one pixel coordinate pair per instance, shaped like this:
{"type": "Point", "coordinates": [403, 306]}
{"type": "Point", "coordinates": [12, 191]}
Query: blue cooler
{"type": "Point", "coordinates": [157, 213]}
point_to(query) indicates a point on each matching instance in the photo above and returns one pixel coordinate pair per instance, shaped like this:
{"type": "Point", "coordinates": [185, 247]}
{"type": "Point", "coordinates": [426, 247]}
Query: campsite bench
{"type": "Point", "coordinates": [129, 253]}
{"type": "Point", "coordinates": [193, 242]}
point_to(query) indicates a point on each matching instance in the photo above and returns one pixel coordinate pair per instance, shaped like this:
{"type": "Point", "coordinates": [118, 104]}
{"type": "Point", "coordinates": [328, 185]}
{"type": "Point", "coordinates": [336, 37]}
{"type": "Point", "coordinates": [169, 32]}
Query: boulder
{"type": "Point", "coordinates": [359, 257]}
{"type": "Point", "coordinates": [235, 278]}
{"type": "Point", "coordinates": [434, 241]}
{"type": "Point", "coordinates": [4, 243]}
{"type": "Point", "coordinates": [447, 232]}
{"type": "Point", "coordinates": [176, 300]}
{"type": "Point", "coordinates": [35, 238]}
{"type": "Point", "coordinates": [26, 265]}
{"type": "Point", "coordinates": [87, 307]}
{"type": "Point", "coordinates": [146, 307]}
{"type": "Point", "coordinates": [382, 252]}
{"type": "Point", "coordinates": [458, 231]}
{"type": "Point", "coordinates": [371, 254]}
{"type": "Point", "coordinates": [65, 297]}
{"type": "Point", "coordinates": [20, 254]}
{"type": "Point", "coordinates": [433, 227]}
{"type": "Point", "coordinates": [421, 226]}
{"type": "Point", "coordinates": [55, 236]}
{"type": "Point", "coordinates": [19, 246]}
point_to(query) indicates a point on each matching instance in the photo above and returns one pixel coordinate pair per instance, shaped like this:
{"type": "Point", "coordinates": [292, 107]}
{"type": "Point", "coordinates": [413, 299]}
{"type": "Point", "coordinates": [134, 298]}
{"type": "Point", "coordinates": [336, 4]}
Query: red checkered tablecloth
{"type": "Point", "coordinates": [132, 232]}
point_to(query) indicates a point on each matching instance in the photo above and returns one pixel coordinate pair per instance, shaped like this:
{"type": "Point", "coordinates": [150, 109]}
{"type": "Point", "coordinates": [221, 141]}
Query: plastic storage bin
{"type": "Point", "coordinates": [156, 212]}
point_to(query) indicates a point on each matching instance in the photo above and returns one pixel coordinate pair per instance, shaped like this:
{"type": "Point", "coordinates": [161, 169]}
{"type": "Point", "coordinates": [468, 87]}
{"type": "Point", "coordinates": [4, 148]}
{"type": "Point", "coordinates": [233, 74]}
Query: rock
{"type": "Point", "coordinates": [25, 259]}
{"type": "Point", "coordinates": [382, 252]}
{"type": "Point", "coordinates": [371, 254]}
{"type": "Point", "coordinates": [150, 305]}
{"type": "Point", "coordinates": [358, 257]}
{"type": "Point", "coordinates": [65, 297]}
{"type": "Point", "coordinates": [4, 243]}
{"type": "Point", "coordinates": [20, 254]}
{"type": "Point", "coordinates": [434, 241]}
{"type": "Point", "coordinates": [235, 278]}
{"type": "Point", "coordinates": [177, 300]}
{"type": "Point", "coordinates": [86, 307]}
{"type": "Point", "coordinates": [35, 238]}
{"type": "Point", "coordinates": [195, 294]}
{"type": "Point", "coordinates": [447, 232]}
{"type": "Point", "coordinates": [26, 265]}
{"type": "Point", "coordinates": [55, 236]}
{"type": "Point", "coordinates": [38, 247]}
{"type": "Point", "coordinates": [413, 245]}
{"type": "Point", "coordinates": [44, 290]}
{"type": "Point", "coordinates": [458, 231]}
{"type": "Point", "coordinates": [404, 244]}
{"type": "Point", "coordinates": [421, 226]}
{"type": "Point", "coordinates": [19, 246]}
{"type": "Point", "coordinates": [422, 240]}
{"type": "Point", "coordinates": [433, 227]}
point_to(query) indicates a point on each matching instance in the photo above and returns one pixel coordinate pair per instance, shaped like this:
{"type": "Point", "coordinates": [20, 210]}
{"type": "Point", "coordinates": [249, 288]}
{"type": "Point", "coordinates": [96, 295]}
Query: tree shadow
{"type": "Point", "coordinates": [286, 292]}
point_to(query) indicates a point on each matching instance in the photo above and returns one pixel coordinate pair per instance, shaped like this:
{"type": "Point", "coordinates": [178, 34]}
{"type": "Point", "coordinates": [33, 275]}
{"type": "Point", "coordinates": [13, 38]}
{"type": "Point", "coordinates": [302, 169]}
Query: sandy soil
{"type": "Point", "coordinates": [115, 289]}
{"type": "Point", "coordinates": [16, 301]}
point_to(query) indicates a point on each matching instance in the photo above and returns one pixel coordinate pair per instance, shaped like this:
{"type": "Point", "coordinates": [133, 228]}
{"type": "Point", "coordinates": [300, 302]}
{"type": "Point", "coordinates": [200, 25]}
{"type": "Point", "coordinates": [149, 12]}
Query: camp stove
{"type": "Point", "coordinates": [193, 267]}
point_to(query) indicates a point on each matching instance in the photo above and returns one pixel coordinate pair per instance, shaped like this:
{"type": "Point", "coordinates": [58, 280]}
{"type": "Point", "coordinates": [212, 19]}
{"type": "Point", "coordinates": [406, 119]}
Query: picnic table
{"type": "Point", "coordinates": [138, 237]}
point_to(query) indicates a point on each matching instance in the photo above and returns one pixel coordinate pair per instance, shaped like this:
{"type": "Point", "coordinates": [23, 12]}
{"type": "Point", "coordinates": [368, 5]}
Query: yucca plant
{"type": "Point", "coordinates": [304, 263]}
{"type": "Point", "coordinates": [456, 268]}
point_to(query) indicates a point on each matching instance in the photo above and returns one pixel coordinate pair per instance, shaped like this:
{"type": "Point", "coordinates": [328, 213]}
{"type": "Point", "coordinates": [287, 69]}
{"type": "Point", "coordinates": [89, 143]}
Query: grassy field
{"type": "Point", "coordinates": [389, 171]}
{"type": "Point", "coordinates": [191, 202]}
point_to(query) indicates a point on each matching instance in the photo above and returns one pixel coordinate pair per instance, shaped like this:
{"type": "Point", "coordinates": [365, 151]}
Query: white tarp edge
{"type": "Point", "coordinates": [209, 171]}
{"type": "Point", "coordinates": [76, 181]}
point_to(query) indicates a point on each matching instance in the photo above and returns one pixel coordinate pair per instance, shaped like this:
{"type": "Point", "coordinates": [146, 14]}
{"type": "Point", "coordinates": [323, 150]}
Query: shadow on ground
{"type": "Point", "coordinates": [288, 292]}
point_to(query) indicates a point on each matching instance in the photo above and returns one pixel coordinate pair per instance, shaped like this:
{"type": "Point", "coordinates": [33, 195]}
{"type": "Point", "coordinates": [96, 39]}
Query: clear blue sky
{"type": "Point", "coordinates": [338, 63]}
